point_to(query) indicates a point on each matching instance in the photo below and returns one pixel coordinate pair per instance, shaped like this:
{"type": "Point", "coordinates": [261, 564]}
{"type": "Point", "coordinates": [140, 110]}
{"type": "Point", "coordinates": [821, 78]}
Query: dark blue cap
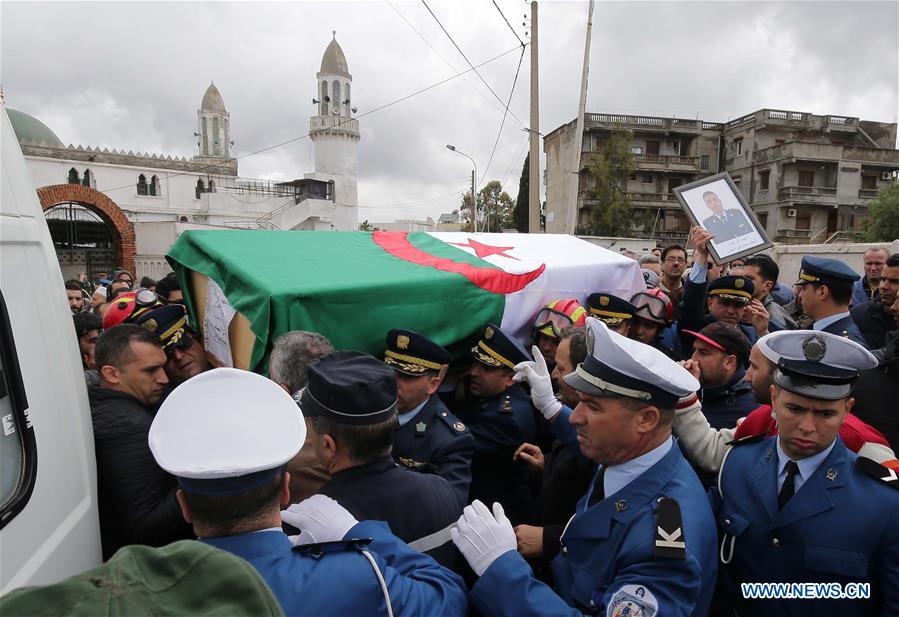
{"type": "Point", "coordinates": [414, 354]}
{"type": "Point", "coordinates": [498, 349]}
{"type": "Point", "coordinates": [733, 287]}
{"type": "Point", "coordinates": [610, 309]}
{"type": "Point", "coordinates": [350, 387]}
{"type": "Point", "coordinates": [826, 271]}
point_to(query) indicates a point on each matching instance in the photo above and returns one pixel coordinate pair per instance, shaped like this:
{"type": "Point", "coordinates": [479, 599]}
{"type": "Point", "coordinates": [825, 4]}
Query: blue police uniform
{"type": "Point", "coordinates": [834, 274]}
{"type": "Point", "coordinates": [693, 313]}
{"type": "Point", "coordinates": [845, 327]}
{"type": "Point", "coordinates": [430, 438]}
{"type": "Point", "coordinates": [340, 580]}
{"type": "Point", "coordinates": [382, 490]}
{"type": "Point", "coordinates": [841, 525]}
{"type": "Point", "coordinates": [500, 424]}
{"type": "Point", "coordinates": [435, 440]}
{"type": "Point", "coordinates": [608, 555]}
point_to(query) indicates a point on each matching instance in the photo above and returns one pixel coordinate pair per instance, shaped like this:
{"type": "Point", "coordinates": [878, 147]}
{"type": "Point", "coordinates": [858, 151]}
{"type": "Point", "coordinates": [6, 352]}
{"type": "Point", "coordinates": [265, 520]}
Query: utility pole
{"type": "Point", "coordinates": [534, 157]}
{"type": "Point", "coordinates": [579, 131]}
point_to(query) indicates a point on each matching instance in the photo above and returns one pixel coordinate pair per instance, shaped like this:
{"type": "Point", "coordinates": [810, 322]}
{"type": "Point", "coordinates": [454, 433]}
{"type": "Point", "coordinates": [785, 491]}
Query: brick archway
{"type": "Point", "coordinates": [101, 205]}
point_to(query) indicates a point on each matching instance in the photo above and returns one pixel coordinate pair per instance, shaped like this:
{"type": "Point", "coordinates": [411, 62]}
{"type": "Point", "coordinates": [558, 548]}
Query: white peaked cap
{"type": "Point", "coordinates": [225, 423]}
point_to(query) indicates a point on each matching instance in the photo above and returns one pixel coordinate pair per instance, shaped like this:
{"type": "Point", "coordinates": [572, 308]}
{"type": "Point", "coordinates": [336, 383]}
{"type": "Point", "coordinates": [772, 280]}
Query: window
{"type": "Point", "coordinates": [335, 90]}
{"type": "Point", "coordinates": [142, 187]}
{"type": "Point", "coordinates": [205, 138]}
{"type": "Point", "coordinates": [211, 186]}
{"type": "Point", "coordinates": [869, 182]}
{"type": "Point", "coordinates": [763, 219]}
{"type": "Point", "coordinates": [637, 150]}
{"type": "Point", "coordinates": [18, 454]}
{"type": "Point", "coordinates": [779, 142]}
{"type": "Point", "coordinates": [806, 178]}
{"type": "Point", "coordinates": [201, 188]}
{"type": "Point", "coordinates": [704, 161]}
{"type": "Point", "coordinates": [154, 187]}
{"type": "Point", "coordinates": [803, 220]}
{"type": "Point", "coordinates": [652, 146]}
{"type": "Point", "coordinates": [764, 177]}
{"type": "Point", "coordinates": [325, 98]}
{"type": "Point", "coordinates": [632, 177]}
{"type": "Point", "coordinates": [646, 179]}
{"type": "Point", "coordinates": [738, 147]}
{"type": "Point", "coordinates": [88, 179]}
{"type": "Point", "coordinates": [73, 176]}
{"type": "Point", "coordinates": [215, 135]}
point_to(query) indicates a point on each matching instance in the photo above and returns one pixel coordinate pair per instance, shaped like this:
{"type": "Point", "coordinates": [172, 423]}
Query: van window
{"type": "Point", "coordinates": [18, 455]}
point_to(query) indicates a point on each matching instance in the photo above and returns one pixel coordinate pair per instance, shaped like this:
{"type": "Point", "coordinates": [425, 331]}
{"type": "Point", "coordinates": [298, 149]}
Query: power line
{"type": "Point", "coordinates": [415, 203]}
{"type": "Point", "coordinates": [507, 23]}
{"type": "Point", "coordinates": [503, 123]}
{"type": "Point", "coordinates": [441, 56]}
{"type": "Point", "coordinates": [469, 63]}
{"type": "Point", "coordinates": [213, 166]}
{"type": "Point", "coordinates": [515, 159]}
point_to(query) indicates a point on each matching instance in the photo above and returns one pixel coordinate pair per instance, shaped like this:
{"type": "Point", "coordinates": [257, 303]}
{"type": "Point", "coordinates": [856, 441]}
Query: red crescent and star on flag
{"type": "Point", "coordinates": [498, 281]}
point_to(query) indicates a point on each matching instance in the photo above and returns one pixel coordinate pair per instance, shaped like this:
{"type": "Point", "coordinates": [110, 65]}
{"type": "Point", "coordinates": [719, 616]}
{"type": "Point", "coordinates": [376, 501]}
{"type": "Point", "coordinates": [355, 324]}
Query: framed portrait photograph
{"type": "Point", "coordinates": [716, 204]}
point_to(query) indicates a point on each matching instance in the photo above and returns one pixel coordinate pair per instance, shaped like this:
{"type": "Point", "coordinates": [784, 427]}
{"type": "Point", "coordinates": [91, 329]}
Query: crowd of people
{"type": "Point", "coordinates": [647, 455]}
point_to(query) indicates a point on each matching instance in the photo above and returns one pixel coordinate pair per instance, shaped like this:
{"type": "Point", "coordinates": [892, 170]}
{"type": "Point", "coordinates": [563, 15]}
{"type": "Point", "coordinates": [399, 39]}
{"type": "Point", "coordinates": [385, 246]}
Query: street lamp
{"type": "Point", "coordinates": [474, 197]}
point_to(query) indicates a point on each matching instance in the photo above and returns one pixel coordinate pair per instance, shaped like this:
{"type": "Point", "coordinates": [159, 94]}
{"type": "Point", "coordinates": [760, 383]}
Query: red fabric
{"type": "Point", "coordinates": [854, 432]}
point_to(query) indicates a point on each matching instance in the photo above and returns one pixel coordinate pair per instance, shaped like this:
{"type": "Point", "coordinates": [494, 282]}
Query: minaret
{"type": "Point", "coordinates": [212, 125]}
{"type": "Point", "coordinates": [335, 133]}
{"type": "Point", "coordinates": [214, 134]}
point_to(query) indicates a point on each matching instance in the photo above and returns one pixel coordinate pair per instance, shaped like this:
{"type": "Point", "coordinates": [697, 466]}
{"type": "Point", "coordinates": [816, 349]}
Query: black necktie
{"type": "Point", "coordinates": [789, 486]}
{"type": "Point", "coordinates": [599, 491]}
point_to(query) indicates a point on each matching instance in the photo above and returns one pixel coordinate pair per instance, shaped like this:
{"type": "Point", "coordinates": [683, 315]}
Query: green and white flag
{"type": "Point", "coordinates": [353, 287]}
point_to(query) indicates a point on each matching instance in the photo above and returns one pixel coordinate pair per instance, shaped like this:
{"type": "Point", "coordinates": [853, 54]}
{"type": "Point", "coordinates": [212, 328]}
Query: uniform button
{"type": "Point", "coordinates": [727, 522]}
{"type": "Point", "coordinates": [775, 542]}
{"type": "Point", "coordinates": [592, 604]}
{"type": "Point", "coordinates": [443, 413]}
{"type": "Point", "coordinates": [564, 550]}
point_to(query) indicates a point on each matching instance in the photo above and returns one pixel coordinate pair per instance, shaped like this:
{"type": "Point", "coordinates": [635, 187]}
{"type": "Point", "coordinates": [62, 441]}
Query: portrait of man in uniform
{"type": "Point", "coordinates": [725, 224]}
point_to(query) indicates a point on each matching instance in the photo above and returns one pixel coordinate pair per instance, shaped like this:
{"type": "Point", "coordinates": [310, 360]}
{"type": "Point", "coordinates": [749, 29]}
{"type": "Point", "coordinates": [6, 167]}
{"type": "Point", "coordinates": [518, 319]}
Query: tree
{"type": "Point", "coordinates": [366, 226]}
{"type": "Point", "coordinates": [610, 210]}
{"type": "Point", "coordinates": [883, 215]}
{"type": "Point", "coordinates": [494, 208]}
{"type": "Point", "coordinates": [520, 215]}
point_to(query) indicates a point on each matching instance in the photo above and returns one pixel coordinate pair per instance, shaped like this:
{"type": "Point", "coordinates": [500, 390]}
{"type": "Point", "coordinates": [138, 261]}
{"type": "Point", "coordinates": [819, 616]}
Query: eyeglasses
{"type": "Point", "coordinates": [555, 320]}
{"type": "Point", "coordinates": [676, 260]}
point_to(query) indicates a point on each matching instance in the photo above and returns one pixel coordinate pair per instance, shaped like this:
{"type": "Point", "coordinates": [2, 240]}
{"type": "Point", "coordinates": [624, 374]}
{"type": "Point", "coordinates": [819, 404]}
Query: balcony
{"type": "Point", "coordinates": [867, 193]}
{"type": "Point", "coordinates": [808, 194]}
{"type": "Point", "coordinates": [772, 117]}
{"type": "Point", "coordinates": [644, 124]}
{"type": "Point", "coordinates": [841, 123]}
{"type": "Point", "coordinates": [663, 162]}
{"type": "Point", "coordinates": [652, 197]}
{"type": "Point", "coordinates": [795, 151]}
{"type": "Point", "coordinates": [793, 236]}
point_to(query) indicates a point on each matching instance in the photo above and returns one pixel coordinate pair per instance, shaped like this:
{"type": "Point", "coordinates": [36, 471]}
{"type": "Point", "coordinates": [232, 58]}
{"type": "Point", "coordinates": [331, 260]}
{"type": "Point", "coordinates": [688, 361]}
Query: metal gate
{"type": "Point", "coordinates": [82, 239]}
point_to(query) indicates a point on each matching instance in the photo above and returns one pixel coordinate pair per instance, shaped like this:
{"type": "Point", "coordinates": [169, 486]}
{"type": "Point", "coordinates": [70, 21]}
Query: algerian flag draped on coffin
{"type": "Point", "coordinates": [353, 287]}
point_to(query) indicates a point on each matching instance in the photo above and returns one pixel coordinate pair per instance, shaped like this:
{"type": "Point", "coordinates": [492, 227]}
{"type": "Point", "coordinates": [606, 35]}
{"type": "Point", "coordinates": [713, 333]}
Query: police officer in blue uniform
{"type": "Point", "coordinates": [226, 435]}
{"type": "Point", "coordinates": [802, 508]}
{"type": "Point", "coordinates": [499, 415]}
{"type": "Point", "coordinates": [825, 292]}
{"type": "Point", "coordinates": [352, 400]}
{"type": "Point", "coordinates": [642, 541]}
{"type": "Point", "coordinates": [615, 312]}
{"type": "Point", "coordinates": [430, 438]}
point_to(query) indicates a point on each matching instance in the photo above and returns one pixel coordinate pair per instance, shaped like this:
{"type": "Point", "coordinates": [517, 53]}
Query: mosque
{"type": "Point", "coordinates": [109, 208]}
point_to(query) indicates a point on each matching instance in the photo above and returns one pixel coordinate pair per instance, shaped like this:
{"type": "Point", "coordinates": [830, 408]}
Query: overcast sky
{"type": "Point", "coordinates": [131, 75]}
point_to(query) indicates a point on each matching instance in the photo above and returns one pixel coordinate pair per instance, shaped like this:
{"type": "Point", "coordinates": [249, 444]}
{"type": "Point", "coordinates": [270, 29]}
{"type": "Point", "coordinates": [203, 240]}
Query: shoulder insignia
{"type": "Point", "coordinates": [742, 441]}
{"type": "Point", "coordinates": [411, 463]}
{"type": "Point", "coordinates": [506, 406]}
{"type": "Point", "coordinates": [669, 536]}
{"type": "Point", "coordinates": [452, 422]}
{"type": "Point", "coordinates": [421, 427]}
{"type": "Point", "coordinates": [878, 471]}
{"type": "Point", "coordinates": [459, 426]}
{"type": "Point", "coordinates": [319, 549]}
{"type": "Point", "coordinates": [631, 601]}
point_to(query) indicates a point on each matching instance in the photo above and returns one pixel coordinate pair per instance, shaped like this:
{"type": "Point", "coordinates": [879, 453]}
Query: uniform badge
{"type": "Point", "coordinates": [421, 427]}
{"type": "Point", "coordinates": [402, 342]}
{"type": "Point", "coordinates": [633, 601]}
{"type": "Point", "coordinates": [459, 426]}
{"type": "Point", "coordinates": [831, 475]}
{"type": "Point", "coordinates": [739, 283]}
{"type": "Point", "coordinates": [814, 348]}
{"type": "Point", "coordinates": [150, 324]}
{"type": "Point", "coordinates": [604, 300]}
{"type": "Point", "coordinates": [506, 407]}
{"type": "Point", "coordinates": [488, 333]}
{"type": "Point", "coordinates": [669, 537]}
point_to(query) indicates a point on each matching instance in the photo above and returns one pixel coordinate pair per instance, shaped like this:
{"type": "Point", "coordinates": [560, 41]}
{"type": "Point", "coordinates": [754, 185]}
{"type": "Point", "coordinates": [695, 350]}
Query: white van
{"type": "Point", "coordinates": [49, 527]}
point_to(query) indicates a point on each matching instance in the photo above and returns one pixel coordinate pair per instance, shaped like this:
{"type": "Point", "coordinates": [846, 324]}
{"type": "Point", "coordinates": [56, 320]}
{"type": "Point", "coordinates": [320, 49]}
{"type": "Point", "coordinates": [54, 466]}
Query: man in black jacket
{"type": "Point", "coordinates": [136, 497]}
{"type": "Point", "coordinates": [351, 398]}
{"type": "Point", "coordinates": [874, 318]}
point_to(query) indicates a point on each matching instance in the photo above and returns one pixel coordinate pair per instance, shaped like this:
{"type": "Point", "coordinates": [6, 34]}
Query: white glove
{"type": "Point", "coordinates": [536, 374]}
{"type": "Point", "coordinates": [482, 537]}
{"type": "Point", "coordinates": [320, 519]}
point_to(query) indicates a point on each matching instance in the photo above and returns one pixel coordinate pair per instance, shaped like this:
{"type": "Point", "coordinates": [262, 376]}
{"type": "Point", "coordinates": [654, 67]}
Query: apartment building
{"type": "Point", "coordinates": [807, 177]}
